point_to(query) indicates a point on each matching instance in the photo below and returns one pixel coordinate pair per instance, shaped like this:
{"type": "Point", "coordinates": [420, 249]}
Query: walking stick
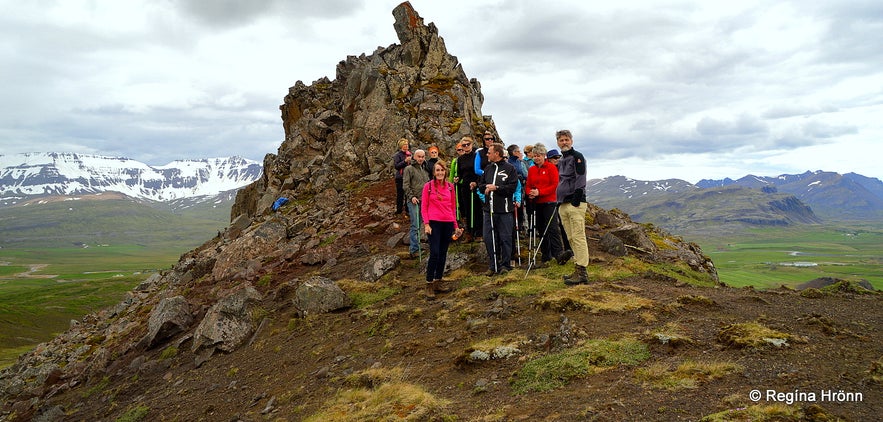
{"type": "Point", "coordinates": [472, 211]}
{"type": "Point", "coordinates": [419, 238]}
{"type": "Point", "coordinates": [533, 232]}
{"type": "Point", "coordinates": [517, 238]}
{"type": "Point", "coordinates": [493, 232]}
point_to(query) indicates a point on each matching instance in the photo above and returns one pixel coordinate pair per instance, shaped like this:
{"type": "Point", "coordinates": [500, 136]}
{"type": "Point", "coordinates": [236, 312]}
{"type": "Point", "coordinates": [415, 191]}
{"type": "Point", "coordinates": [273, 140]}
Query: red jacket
{"type": "Point", "coordinates": [544, 179]}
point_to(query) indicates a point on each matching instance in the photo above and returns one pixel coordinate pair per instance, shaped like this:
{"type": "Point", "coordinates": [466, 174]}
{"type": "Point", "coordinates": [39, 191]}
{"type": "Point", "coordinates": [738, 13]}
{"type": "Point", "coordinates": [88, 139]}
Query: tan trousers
{"type": "Point", "coordinates": [574, 221]}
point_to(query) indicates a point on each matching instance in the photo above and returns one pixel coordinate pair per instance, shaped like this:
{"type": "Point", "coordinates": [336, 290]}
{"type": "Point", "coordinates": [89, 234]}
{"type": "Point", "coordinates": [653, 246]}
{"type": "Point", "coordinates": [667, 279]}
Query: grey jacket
{"type": "Point", "coordinates": [413, 179]}
{"type": "Point", "coordinates": [571, 177]}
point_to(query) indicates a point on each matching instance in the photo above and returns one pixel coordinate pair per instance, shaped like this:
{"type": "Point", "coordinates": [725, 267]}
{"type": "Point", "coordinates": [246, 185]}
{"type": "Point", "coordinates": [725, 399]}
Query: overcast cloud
{"type": "Point", "coordinates": [650, 89]}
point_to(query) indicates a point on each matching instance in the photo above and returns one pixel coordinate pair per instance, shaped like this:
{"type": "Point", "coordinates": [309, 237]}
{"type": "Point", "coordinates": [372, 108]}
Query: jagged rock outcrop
{"type": "Point", "coordinates": [344, 130]}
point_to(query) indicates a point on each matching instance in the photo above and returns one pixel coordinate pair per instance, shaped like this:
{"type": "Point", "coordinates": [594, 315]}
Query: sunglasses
{"type": "Point", "coordinates": [489, 139]}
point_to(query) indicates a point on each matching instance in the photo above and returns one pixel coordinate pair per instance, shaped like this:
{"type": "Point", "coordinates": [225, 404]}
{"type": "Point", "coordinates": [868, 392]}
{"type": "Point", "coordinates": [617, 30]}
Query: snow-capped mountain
{"type": "Point", "coordinates": [31, 174]}
{"type": "Point", "coordinates": [830, 195]}
{"type": "Point", "coordinates": [624, 187]}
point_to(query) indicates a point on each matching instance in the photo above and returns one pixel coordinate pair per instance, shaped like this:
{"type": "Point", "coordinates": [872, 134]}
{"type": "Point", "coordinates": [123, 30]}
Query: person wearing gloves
{"type": "Point", "coordinates": [572, 209]}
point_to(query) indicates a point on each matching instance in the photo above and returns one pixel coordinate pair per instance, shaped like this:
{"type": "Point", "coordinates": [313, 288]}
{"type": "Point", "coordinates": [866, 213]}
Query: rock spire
{"type": "Point", "coordinates": [345, 130]}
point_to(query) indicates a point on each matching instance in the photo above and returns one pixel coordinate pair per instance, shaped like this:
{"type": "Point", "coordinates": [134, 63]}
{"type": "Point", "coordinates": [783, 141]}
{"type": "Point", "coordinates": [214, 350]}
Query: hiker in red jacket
{"type": "Point", "coordinates": [542, 183]}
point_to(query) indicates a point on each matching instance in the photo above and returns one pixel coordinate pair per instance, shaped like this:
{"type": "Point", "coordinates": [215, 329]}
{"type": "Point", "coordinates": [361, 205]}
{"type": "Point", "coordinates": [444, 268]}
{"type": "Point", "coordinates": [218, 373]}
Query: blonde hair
{"type": "Point", "coordinates": [403, 142]}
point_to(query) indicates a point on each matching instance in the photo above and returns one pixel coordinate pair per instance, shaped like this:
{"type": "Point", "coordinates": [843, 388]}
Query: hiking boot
{"type": "Point", "coordinates": [490, 273]}
{"type": "Point", "coordinates": [441, 286]}
{"type": "Point", "coordinates": [563, 257]}
{"type": "Point", "coordinates": [430, 290]}
{"type": "Point", "coordinates": [579, 276]}
{"type": "Point", "coordinates": [541, 264]}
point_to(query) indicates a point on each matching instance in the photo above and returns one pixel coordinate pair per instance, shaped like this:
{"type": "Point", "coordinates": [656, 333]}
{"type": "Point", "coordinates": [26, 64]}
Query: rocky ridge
{"type": "Point", "coordinates": [270, 318]}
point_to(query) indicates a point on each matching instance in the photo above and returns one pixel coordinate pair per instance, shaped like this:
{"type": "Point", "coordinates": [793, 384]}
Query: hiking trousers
{"type": "Point", "coordinates": [574, 221]}
{"type": "Point", "coordinates": [551, 246]}
{"type": "Point", "coordinates": [500, 238]}
{"type": "Point", "coordinates": [416, 225]}
{"type": "Point", "coordinates": [439, 241]}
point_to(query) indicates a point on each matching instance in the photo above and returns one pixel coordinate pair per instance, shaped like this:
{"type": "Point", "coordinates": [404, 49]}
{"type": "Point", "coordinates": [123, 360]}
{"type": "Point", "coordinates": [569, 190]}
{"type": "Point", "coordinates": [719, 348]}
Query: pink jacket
{"type": "Point", "coordinates": [439, 203]}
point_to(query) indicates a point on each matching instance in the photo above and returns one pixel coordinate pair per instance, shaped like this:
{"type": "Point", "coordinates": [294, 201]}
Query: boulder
{"type": "Point", "coordinates": [378, 266]}
{"type": "Point", "coordinates": [169, 318]}
{"type": "Point", "coordinates": [633, 234]}
{"type": "Point", "coordinates": [264, 240]}
{"type": "Point", "coordinates": [320, 295]}
{"type": "Point", "coordinates": [228, 323]}
{"type": "Point", "coordinates": [613, 245]}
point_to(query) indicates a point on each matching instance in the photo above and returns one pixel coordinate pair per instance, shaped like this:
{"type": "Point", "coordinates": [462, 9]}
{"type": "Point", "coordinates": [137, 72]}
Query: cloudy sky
{"type": "Point", "coordinates": [650, 89]}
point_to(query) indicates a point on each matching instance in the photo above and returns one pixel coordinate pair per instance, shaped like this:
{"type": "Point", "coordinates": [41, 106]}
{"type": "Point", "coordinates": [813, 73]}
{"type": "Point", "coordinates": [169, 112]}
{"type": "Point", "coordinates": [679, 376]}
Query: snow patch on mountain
{"type": "Point", "coordinates": [74, 174]}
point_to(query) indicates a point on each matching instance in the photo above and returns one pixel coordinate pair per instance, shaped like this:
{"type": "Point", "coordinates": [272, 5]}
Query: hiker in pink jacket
{"type": "Point", "coordinates": [439, 210]}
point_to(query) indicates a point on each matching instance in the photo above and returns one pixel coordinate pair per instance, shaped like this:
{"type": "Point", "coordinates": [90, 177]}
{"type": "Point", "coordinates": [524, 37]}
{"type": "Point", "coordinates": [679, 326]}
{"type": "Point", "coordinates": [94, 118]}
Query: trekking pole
{"type": "Point", "coordinates": [517, 239]}
{"type": "Point", "coordinates": [419, 227]}
{"type": "Point", "coordinates": [533, 231]}
{"type": "Point", "coordinates": [472, 211]}
{"type": "Point", "coordinates": [534, 259]}
{"type": "Point", "coordinates": [493, 232]}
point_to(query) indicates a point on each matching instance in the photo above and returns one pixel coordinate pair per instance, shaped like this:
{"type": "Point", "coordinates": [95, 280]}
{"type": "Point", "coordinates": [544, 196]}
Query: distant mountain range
{"type": "Point", "coordinates": [24, 176]}
{"type": "Point", "coordinates": [831, 195]}
{"type": "Point", "coordinates": [811, 197]}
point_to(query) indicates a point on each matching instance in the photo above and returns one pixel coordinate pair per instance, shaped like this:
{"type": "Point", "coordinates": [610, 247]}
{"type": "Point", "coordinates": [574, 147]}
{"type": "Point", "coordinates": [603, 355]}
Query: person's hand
{"type": "Point", "coordinates": [576, 198]}
{"type": "Point", "coordinates": [427, 229]}
{"type": "Point", "coordinates": [414, 200]}
{"type": "Point", "coordinates": [472, 185]}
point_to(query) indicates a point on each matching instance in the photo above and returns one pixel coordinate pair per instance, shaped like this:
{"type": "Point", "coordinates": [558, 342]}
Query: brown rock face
{"type": "Point", "coordinates": [346, 130]}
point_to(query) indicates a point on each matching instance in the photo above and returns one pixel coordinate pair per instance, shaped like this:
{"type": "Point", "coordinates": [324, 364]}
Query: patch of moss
{"type": "Point", "coordinates": [168, 353]}
{"type": "Point", "coordinates": [847, 286]}
{"type": "Point", "coordinates": [671, 334]}
{"type": "Point", "coordinates": [688, 374]}
{"type": "Point", "coordinates": [754, 335]}
{"type": "Point", "coordinates": [364, 294]}
{"type": "Point", "coordinates": [556, 370]}
{"type": "Point", "coordinates": [683, 273]}
{"type": "Point", "coordinates": [583, 297]}
{"type": "Point", "coordinates": [134, 414]}
{"type": "Point", "coordinates": [388, 401]}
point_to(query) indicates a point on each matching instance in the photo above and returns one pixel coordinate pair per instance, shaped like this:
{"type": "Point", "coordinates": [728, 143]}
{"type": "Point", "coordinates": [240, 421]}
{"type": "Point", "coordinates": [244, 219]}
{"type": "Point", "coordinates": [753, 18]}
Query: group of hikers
{"type": "Point", "coordinates": [495, 193]}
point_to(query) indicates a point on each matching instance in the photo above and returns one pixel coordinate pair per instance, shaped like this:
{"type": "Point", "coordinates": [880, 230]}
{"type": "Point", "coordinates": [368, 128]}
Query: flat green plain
{"type": "Point", "coordinates": [43, 289]}
{"type": "Point", "coordinates": [770, 258]}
